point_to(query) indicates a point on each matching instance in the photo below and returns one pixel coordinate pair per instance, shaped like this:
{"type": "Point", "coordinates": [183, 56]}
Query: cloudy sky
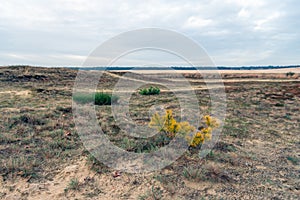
{"type": "Point", "coordinates": [233, 32]}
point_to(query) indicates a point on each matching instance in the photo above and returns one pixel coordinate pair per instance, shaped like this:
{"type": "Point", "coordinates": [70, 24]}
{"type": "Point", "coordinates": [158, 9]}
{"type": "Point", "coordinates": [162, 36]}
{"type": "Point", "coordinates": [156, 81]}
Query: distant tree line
{"type": "Point", "coordinates": [185, 68]}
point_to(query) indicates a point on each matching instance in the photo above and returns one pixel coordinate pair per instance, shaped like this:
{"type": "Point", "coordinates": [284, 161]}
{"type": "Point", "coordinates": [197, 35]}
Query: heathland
{"type": "Point", "coordinates": [42, 156]}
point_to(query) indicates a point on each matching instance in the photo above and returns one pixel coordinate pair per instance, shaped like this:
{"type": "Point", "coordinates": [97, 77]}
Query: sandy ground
{"type": "Point", "coordinates": [256, 164]}
{"type": "Point", "coordinates": [110, 187]}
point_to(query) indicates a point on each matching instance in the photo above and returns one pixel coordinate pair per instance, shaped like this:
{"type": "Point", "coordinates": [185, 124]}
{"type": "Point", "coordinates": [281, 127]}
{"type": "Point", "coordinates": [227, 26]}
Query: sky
{"type": "Point", "coordinates": [233, 32]}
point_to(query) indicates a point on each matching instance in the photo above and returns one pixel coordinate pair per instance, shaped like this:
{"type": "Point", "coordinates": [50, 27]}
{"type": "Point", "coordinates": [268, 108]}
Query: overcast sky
{"type": "Point", "coordinates": [233, 32]}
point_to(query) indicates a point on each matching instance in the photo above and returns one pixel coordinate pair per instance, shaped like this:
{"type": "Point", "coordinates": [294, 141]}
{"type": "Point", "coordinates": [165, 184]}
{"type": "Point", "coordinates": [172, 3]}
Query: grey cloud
{"type": "Point", "coordinates": [234, 32]}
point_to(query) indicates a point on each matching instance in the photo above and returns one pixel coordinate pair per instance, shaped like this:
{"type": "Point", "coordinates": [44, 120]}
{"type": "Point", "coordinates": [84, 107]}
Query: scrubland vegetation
{"type": "Point", "coordinates": [41, 155]}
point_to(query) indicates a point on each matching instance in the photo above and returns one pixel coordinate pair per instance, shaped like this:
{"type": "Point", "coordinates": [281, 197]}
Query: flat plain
{"type": "Point", "coordinates": [256, 157]}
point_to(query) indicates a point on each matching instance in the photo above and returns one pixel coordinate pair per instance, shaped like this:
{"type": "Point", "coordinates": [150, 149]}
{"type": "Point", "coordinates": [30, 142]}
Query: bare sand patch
{"type": "Point", "coordinates": [110, 187]}
{"type": "Point", "coordinates": [23, 93]}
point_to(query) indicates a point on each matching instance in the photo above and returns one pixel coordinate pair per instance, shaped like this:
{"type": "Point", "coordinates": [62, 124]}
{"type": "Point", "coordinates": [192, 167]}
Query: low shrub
{"type": "Point", "coordinates": [74, 184]}
{"type": "Point", "coordinates": [169, 127]}
{"type": "Point", "coordinates": [290, 74]}
{"type": "Point", "coordinates": [99, 98]}
{"type": "Point", "coordinates": [149, 91]}
{"type": "Point", "coordinates": [27, 119]}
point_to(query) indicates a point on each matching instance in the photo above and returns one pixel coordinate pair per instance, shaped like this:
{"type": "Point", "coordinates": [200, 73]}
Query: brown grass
{"type": "Point", "coordinates": [41, 153]}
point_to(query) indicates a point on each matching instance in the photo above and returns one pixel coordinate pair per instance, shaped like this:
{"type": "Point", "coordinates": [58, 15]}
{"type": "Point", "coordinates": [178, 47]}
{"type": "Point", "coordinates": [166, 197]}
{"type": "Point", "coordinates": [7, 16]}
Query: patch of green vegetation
{"type": "Point", "coordinates": [294, 160]}
{"type": "Point", "coordinates": [288, 116]}
{"type": "Point", "coordinates": [61, 144]}
{"type": "Point", "coordinates": [127, 144]}
{"type": "Point", "coordinates": [94, 193]}
{"type": "Point", "coordinates": [279, 104]}
{"type": "Point", "coordinates": [99, 98]}
{"type": "Point", "coordinates": [191, 173]}
{"type": "Point", "coordinates": [74, 184]}
{"type": "Point", "coordinates": [63, 109]}
{"type": "Point", "coordinates": [38, 139]}
{"type": "Point", "coordinates": [236, 127]}
{"type": "Point", "coordinates": [95, 164]}
{"type": "Point", "coordinates": [6, 138]}
{"type": "Point", "coordinates": [25, 166]}
{"type": "Point", "coordinates": [149, 91]}
{"type": "Point", "coordinates": [143, 196]}
{"type": "Point", "coordinates": [224, 147]}
{"type": "Point", "coordinates": [211, 173]}
{"type": "Point", "coordinates": [290, 74]}
{"type": "Point", "coordinates": [27, 119]}
{"type": "Point", "coordinates": [157, 193]}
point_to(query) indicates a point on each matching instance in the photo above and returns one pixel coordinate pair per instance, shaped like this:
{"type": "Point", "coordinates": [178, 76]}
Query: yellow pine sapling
{"type": "Point", "coordinates": [157, 122]}
{"type": "Point", "coordinates": [205, 132]}
{"type": "Point", "coordinates": [169, 126]}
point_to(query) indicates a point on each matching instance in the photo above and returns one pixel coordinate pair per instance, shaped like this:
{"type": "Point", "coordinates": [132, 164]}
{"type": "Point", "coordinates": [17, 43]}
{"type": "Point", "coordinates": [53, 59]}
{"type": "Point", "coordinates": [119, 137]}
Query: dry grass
{"type": "Point", "coordinates": [255, 157]}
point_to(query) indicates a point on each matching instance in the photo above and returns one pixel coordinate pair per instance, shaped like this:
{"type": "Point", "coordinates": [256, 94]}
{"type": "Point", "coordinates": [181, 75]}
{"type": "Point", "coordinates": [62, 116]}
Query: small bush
{"type": "Point", "coordinates": [149, 91]}
{"type": "Point", "coordinates": [73, 185]}
{"type": "Point", "coordinates": [28, 120]}
{"type": "Point", "coordinates": [212, 173]}
{"type": "Point", "coordinates": [96, 165]}
{"type": "Point", "coordinates": [290, 74]}
{"type": "Point", "coordinates": [25, 166]}
{"type": "Point", "coordinates": [294, 160]}
{"type": "Point", "coordinates": [100, 98]}
{"type": "Point", "coordinates": [167, 125]}
{"type": "Point", "coordinates": [191, 173]}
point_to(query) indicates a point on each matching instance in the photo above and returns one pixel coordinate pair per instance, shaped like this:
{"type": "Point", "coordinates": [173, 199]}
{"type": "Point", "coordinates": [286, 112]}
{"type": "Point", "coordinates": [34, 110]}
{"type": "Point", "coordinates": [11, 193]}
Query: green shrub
{"type": "Point", "coordinates": [100, 98]}
{"type": "Point", "coordinates": [27, 119]}
{"type": "Point", "coordinates": [290, 74]}
{"type": "Point", "coordinates": [149, 91]}
{"type": "Point", "coordinates": [74, 184]}
{"type": "Point", "coordinates": [105, 99]}
{"type": "Point", "coordinates": [294, 160]}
